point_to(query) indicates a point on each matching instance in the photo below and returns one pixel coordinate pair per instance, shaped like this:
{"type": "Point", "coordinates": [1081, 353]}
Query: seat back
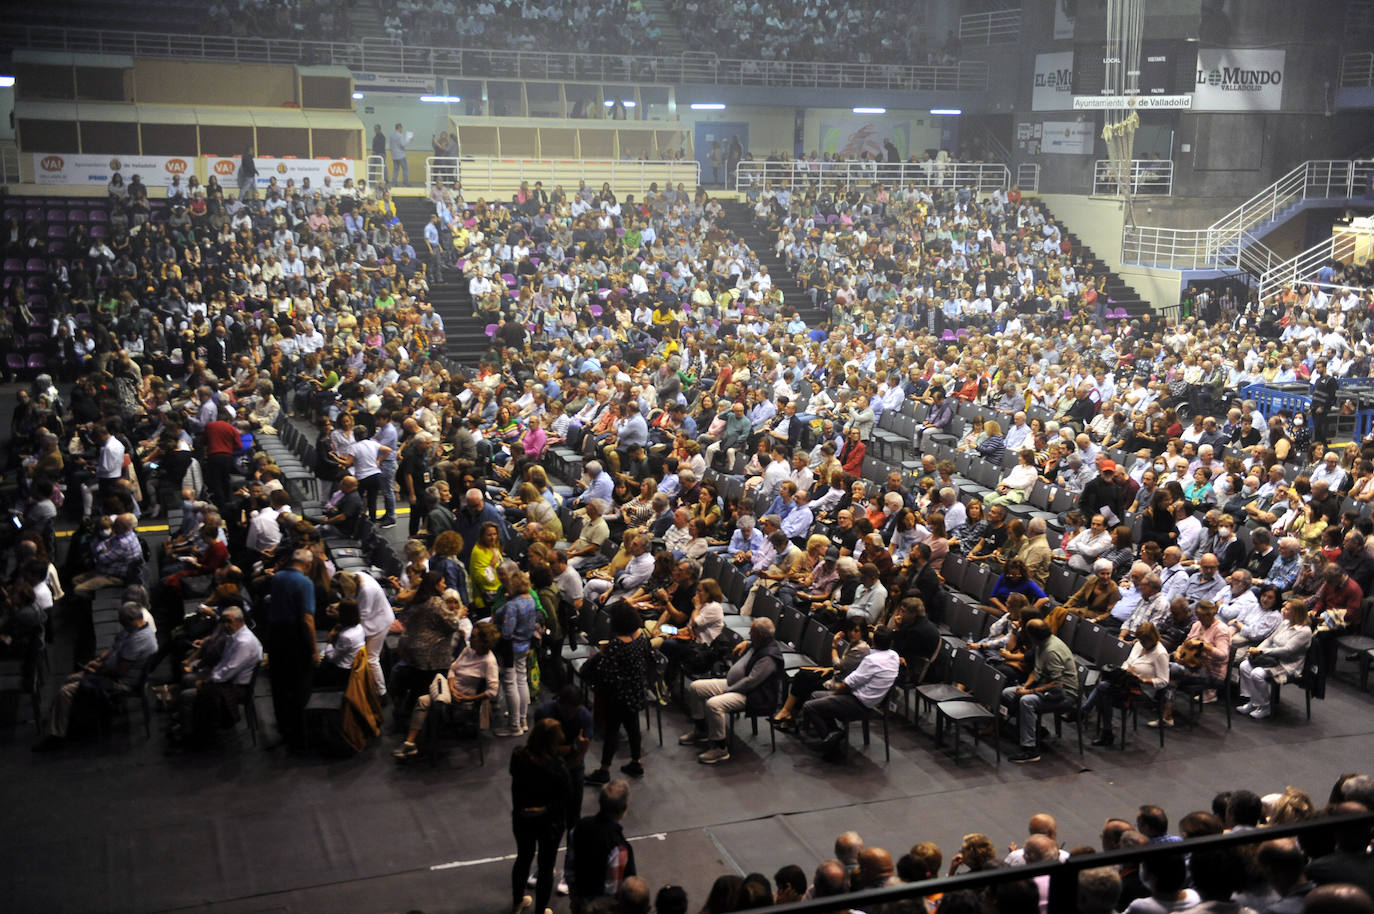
{"type": "Point", "coordinates": [1060, 582]}
{"type": "Point", "coordinates": [954, 570]}
{"type": "Point", "coordinates": [1089, 642]}
{"type": "Point", "coordinates": [988, 683]}
{"type": "Point", "coordinates": [789, 626]}
{"type": "Point", "coordinates": [816, 642]}
{"type": "Point", "coordinates": [1112, 651]}
{"type": "Point", "coordinates": [977, 580]}
{"type": "Point", "coordinates": [1068, 630]}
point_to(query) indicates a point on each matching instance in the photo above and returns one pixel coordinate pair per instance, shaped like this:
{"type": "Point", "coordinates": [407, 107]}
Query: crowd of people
{"type": "Point", "coordinates": [1325, 871]}
{"type": "Point", "coordinates": [520, 25]}
{"type": "Point", "coordinates": [877, 31]}
{"type": "Point", "coordinates": [708, 424]}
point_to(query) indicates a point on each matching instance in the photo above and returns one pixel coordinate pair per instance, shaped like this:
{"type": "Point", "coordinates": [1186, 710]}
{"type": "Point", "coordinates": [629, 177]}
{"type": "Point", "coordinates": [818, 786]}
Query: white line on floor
{"type": "Point", "coordinates": [457, 864]}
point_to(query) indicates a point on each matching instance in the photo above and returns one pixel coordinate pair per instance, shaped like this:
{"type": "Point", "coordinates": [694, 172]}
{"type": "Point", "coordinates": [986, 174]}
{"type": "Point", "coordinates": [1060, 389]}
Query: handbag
{"type": "Point", "coordinates": [439, 692]}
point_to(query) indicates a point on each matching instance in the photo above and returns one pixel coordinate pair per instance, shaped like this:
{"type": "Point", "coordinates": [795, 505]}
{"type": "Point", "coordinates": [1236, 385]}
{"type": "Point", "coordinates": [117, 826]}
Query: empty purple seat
{"type": "Point", "coordinates": [36, 265]}
{"type": "Point", "coordinates": [98, 231]}
{"type": "Point", "coordinates": [36, 283]}
{"type": "Point", "coordinates": [76, 215]}
{"type": "Point", "coordinates": [509, 280]}
{"type": "Point", "coordinates": [13, 212]}
{"type": "Point", "coordinates": [15, 362]}
{"type": "Point", "coordinates": [58, 247]}
{"type": "Point", "coordinates": [38, 302]}
{"type": "Point", "coordinates": [98, 215]}
{"type": "Point", "coordinates": [37, 340]}
{"type": "Point", "coordinates": [491, 330]}
{"type": "Point", "coordinates": [596, 310]}
{"type": "Point", "coordinates": [57, 231]}
{"type": "Point", "coordinates": [57, 215]}
{"type": "Point", "coordinates": [31, 214]}
{"type": "Point", "coordinates": [947, 336]}
{"type": "Point", "coordinates": [38, 362]}
{"type": "Point", "coordinates": [14, 265]}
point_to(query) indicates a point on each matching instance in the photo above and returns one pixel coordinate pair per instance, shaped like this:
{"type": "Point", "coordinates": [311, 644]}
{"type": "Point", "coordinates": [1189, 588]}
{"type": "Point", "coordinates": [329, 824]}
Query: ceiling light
{"type": "Point", "coordinates": [946, 110]}
{"type": "Point", "coordinates": [708, 106]}
{"type": "Point", "coordinates": [443, 99]}
{"type": "Point", "coordinates": [357, 96]}
{"type": "Point", "coordinates": [870, 110]}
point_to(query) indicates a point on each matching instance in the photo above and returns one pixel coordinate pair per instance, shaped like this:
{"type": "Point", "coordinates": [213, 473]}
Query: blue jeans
{"type": "Point", "coordinates": [1028, 708]}
{"type": "Point", "coordinates": [400, 166]}
{"type": "Point", "coordinates": [389, 490]}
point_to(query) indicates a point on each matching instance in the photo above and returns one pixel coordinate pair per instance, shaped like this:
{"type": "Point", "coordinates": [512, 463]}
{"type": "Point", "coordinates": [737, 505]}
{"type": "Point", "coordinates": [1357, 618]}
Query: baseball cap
{"type": "Point", "coordinates": [1109, 466]}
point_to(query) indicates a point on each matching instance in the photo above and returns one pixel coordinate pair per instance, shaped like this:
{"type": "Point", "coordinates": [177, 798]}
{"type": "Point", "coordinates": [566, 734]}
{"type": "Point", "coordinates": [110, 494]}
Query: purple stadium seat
{"type": "Point", "coordinates": [491, 329]}
{"type": "Point", "coordinates": [596, 310]}
{"type": "Point", "coordinates": [14, 265]}
{"type": "Point", "coordinates": [57, 215]}
{"type": "Point", "coordinates": [98, 231]}
{"type": "Point", "coordinates": [99, 215]}
{"type": "Point", "coordinates": [76, 215]}
{"type": "Point", "coordinates": [36, 265]}
{"type": "Point", "coordinates": [15, 362]}
{"type": "Point", "coordinates": [57, 231]}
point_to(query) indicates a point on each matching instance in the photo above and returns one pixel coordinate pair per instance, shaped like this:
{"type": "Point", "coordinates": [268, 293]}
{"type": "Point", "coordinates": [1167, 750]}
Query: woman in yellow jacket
{"type": "Point", "coordinates": [482, 565]}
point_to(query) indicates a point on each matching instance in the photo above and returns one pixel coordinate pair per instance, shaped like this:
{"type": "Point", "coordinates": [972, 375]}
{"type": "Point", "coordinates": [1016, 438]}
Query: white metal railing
{"type": "Point", "coordinates": [497, 176]}
{"type": "Point", "coordinates": [1220, 246]}
{"type": "Point", "coordinates": [978, 175]}
{"type": "Point", "coordinates": [9, 163]}
{"type": "Point", "coordinates": [1305, 267]}
{"type": "Point", "coordinates": [1194, 249]}
{"type": "Point", "coordinates": [376, 170]}
{"type": "Point", "coordinates": [390, 56]}
{"type": "Point", "coordinates": [443, 169]}
{"type": "Point", "coordinates": [1146, 176]}
{"type": "Point", "coordinates": [992, 27]}
{"type": "Point", "coordinates": [1028, 177]}
{"type": "Point", "coordinates": [1357, 70]}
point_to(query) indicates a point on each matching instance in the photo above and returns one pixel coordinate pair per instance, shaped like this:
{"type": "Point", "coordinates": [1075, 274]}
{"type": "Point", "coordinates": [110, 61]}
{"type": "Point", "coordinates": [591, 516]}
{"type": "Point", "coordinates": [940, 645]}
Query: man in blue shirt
{"type": "Point", "coordinates": [599, 485]}
{"type": "Point", "coordinates": [387, 437]}
{"type": "Point", "coordinates": [291, 645]}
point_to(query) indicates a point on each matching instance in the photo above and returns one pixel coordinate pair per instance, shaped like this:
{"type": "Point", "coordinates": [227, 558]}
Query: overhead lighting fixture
{"type": "Point", "coordinates": [442, 99]}
{"type": "Point", "coordinates": [628, 103]}
{"type": "Point", "coordinates": [707, 106]}
{"type": "Point", "coordinates": [869, 110]}
{"type": "Point", "coordinates": [946, 110]}
{"type": "Point", "coordinates": [6, 82]}
{"type": "Point", "coordinates": [357, 96]}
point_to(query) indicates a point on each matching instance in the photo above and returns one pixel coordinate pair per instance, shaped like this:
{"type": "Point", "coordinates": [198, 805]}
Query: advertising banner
{"type": "Point", "coordinates": [393, 82]}
{"type": "Point", "coordinates": [71, 168]}
{"type": "Point", "coordinates": [852, 136]}
{"type": "Point", "coordinates": [226, 169]}
{"type": "Point", "coordinates": [1052, 89]}
{"type": "Point", "coordinates": [1230, 79]}
{"type": "Point", "coordinates": [1131, 102]}
{"type": "Point", "coordinates": [1068, 138]}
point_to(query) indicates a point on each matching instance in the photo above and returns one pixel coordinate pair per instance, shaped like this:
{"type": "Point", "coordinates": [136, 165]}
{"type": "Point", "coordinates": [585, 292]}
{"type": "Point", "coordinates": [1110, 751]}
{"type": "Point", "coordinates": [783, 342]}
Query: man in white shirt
{"type": "Point", "coordinates": [859, 693]}
{"type": "Point", "coordinates": [264, 531]}
{"type": "Point", "coordinates": [364, 459]}
{"type": "Point", "coordinates": [1019, 435]}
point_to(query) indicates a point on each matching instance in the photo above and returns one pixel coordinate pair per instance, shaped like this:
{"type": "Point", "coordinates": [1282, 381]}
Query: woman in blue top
{"type": "Point", "coordinates": [516, 619]}
{"type": "Point", "coordinates": [1016, 579]}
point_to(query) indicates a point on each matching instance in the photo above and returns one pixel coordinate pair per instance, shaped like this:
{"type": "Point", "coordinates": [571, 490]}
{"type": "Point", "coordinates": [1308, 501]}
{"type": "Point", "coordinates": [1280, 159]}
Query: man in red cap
{"type": "Point", "coordinates": [1103, 495]}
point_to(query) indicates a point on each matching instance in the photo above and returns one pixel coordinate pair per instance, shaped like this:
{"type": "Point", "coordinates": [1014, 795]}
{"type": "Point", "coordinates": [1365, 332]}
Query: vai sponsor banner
{"type": "Point", "coordinates": [1068, 138]}
{"type": "Point", "coordinates": [1052, 89]}
{"type": "Point", "coordinates": [1230, 79]}
{"type": "Point", "coordinates": [69, 169]}
{"type": "Point", "coordinates": [226, 169]}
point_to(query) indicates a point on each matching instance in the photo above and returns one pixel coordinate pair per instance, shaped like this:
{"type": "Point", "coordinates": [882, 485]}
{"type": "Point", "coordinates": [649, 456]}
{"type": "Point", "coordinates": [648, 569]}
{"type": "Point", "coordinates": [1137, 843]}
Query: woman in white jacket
{"type": "Point", "coordinates": [1277, 658]}
{"type": "Point", "coordinates": [1146, 669]}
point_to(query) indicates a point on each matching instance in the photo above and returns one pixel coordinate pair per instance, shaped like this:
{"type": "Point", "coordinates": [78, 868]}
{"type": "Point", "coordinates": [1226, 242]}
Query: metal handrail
{"type": "Point", "coordinates": [1028, 177]}
{"type": "Point", "coordinates": [1146, 176]}
{"type": "Point", "coordinates": [441, 169]}
{"type": "Point", "coordinates": [992, 27]}
{"type": "Point", "coordinates": [1063, 875]}
{"type": "Point", "coordinates": [376, 170]}
{"type": "Point", "coordinates": [1357, 70]}
{"type": "Point", "coordinates": [1305, 266]}
{"type": "Point", "coordinates": [978, 175]}
{"type": "Point", "coordinates": [1223, 242]}
{"type": "Point", "coordinates": [390, 56]}
{"type": "Point", "coordinates": [9, 163]}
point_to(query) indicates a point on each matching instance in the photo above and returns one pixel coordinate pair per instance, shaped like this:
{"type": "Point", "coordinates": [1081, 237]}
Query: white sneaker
{"type": "Point", "coordinates": [1245, 708]}
{"type": "Point", "coordinates": [532, 880]}
{"type": "Point", "coordinates": [562, 887]}
{"type": "Point", "coordinates": [1261, 713]}
{"type": "Point", "coordinates": [507, 731]}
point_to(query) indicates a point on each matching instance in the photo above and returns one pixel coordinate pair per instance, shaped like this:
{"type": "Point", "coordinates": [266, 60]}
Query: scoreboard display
{"type": "Point", "coordinates": [1160, 61]}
